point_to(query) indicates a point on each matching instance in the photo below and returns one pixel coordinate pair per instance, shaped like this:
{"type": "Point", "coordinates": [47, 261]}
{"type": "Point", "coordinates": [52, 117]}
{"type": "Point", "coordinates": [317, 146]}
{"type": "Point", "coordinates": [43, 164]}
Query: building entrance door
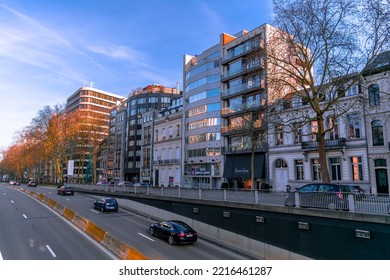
{"type": "Point", "coordinates": [382, 183]}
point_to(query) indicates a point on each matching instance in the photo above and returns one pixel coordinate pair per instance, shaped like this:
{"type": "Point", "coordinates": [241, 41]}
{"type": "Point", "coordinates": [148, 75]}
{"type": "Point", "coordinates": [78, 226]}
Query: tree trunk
{"type": "Point", "coordinates": [322, 151]}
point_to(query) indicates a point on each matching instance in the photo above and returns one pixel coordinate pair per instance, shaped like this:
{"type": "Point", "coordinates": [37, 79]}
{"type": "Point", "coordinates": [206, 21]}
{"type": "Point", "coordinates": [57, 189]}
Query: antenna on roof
{"type": "Point", "coordinates": [91, 84]}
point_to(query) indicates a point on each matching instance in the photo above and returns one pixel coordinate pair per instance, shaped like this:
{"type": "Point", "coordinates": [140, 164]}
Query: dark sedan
{"type": "Point", "coordinates": [106, 204]}
{"type": "Point", "coordinates": [174, 231]}
{"type": "Point", "coordinates": [65, 190]}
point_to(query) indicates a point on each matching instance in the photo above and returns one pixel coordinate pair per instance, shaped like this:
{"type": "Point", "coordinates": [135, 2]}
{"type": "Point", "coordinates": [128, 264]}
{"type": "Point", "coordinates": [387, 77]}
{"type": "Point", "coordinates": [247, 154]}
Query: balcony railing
{"type": "Point", "coordinates": [329, 143]}
{"type": "Point", "coordinates": [241, 71]}
{"type": "Point", "coordinates": [244, 88]}
{"type": "Point", "coordinates": [231, 56]}
{"type": "Point", "coordinates": [241, 109]}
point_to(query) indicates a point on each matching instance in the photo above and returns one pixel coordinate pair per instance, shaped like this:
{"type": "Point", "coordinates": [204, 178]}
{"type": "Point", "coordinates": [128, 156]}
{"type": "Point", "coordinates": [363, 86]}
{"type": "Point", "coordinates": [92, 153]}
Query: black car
{"type": "Point", "coordinates": [174, 231]}
{"type": "Point", "coordinates": [321, 195]}
{"type": "Point", "coordinates": [356, 189]}
{"type": "Point", "coordinates": [65, 190]}
{"type": "Point", "coordinates": [106, 204]}
{"type": "Point", "coordinates": [32, 184]}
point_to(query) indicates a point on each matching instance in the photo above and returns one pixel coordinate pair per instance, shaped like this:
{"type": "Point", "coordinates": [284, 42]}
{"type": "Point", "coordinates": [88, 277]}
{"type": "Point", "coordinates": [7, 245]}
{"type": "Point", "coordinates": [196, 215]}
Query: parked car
{"type": "Point", "coordinates": [141, 185]}
{"type": "Point", "coordinates": [32, 184]}
{"type": "Point", "coordinates": [106, 204]}
{"type": "Point", "coordinates": [65, 190]}
{"type": "Point", "coordinates": [174, 231]}
{"type": "Point", "coordinates": [321, 195]}
{"type": "Point", "coordinates": [125, 183]}
{"type": "Point", "coordinates": [356, 189]}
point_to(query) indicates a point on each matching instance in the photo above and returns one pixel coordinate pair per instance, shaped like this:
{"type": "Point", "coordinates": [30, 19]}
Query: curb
{"type": "Point", "coordinates": [116, 246]}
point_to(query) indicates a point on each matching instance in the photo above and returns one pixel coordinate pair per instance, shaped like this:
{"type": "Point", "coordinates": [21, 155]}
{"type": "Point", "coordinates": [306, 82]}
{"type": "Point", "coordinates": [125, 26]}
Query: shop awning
{"type": "Point", "coordinates": [239, 166]}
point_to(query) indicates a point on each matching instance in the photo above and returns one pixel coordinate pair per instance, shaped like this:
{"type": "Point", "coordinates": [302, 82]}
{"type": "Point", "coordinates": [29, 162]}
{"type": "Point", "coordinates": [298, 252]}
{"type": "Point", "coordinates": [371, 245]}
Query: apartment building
{"type": "Point", "coordinates": [94, 106]}
{"type": "Point", "coordinates": [376, 89]}
{"type": "Point", "coordinates": [162, 146]}
{"type": "Point", "coordinates": [203, 161]}
{"type": "Point", "coordinates": [153, 97]}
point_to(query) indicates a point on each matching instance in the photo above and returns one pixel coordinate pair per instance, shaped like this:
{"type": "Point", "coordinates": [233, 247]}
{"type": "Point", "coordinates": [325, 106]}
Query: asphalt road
{"type": "Point", "coordinates": [133, 229]}
{"type": "Point", "coordinates": [30, 230]}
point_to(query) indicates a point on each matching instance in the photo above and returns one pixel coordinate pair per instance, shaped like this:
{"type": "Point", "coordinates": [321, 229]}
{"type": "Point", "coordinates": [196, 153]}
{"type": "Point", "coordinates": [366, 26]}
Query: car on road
{"type": "Point", "coordinates": [321, 195]}
{"type": "Point", "coordinates": [32, 184]}
{"type": "Point", "coordinates": [13, 182]}
{"type": "Point", "coordinates": [65, 190]}
{"type": "Point", "coordinates": [106, 204]}
{"type": "Point", "coordinates": [174, 231]}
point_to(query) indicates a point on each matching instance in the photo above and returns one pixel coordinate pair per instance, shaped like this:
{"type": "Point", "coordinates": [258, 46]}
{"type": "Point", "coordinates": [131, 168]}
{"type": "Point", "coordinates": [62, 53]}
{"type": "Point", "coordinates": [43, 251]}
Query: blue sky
{"type": "Point", "coordinates": [49, 49]}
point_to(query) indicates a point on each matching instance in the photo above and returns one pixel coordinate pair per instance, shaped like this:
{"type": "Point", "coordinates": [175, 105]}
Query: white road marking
{"type": "Point", "coordinates": [12, 201]}
{"type": "Point", "coordinates": [67, 199]}
{"type": "Point", "coordinates": [51, 251]}
{"type": "Point", "coordinates": [94, 211]}
{"type": "Point", "coordinates": [147, 237]}
{"type": "Point", "coordinates": [1, 257]}
{"type": "Point", "coordinates": [24, 216]}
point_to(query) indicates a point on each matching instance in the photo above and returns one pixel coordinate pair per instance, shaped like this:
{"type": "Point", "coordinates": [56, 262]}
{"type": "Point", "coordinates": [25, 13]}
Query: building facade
{"type": "Point", "coordinates": [162, 146]}
{"type": "Point", "coordinates": [203, 160]}
{"type": "Point", "coordinates": [152, 97]}
{"type": "Point", "coordinates": [93, 106]}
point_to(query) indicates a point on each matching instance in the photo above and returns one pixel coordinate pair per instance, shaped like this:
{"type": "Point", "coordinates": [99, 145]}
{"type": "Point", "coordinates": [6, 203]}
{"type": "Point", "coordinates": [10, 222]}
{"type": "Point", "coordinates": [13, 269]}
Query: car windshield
{"type": "Point", "coordinates": [111, 200]}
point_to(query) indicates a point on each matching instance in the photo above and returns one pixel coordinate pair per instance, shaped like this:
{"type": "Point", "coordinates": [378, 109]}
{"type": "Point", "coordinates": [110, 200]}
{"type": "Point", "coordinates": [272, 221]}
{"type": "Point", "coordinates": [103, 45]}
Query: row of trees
{"type": "Point", "coordinates": [43, 148]}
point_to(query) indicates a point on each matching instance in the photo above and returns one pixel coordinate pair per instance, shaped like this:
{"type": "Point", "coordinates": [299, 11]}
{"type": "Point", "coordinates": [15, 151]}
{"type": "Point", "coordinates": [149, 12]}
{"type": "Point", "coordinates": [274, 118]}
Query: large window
{"type": "Point", "coordinates": [354, 126]}
{"type": "Point", "coordinates": [377, 133]}
{"type": "Point", "coordinates": [314, 130]}
{"type": "Point", "coordinates": [373, 95]}
{"type": "Point", "coordinates": [335, 169]}
{"type": "Point", "coordinates": [357, 168]}
{"type": "Point", "coordinates": [299, 175]}
{"type": "Point", "coordinates": [333, 128]}
{"type": "Point", "coordinates": [279, 134]}
{"type": "Point", "coordinates": [315, 170]}
{"type": "Point", "coordinates": [297, 133]}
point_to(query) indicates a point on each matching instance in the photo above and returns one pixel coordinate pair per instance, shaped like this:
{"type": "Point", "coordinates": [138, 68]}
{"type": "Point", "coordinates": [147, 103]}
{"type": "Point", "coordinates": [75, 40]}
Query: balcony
{"type": "Point", "coordinates": [244, 108]}
{"type": "Point", "coordinates": [244, 69]}
{"type": "Point", "coordinates": [236, 129]}
{"type": "Point", "coordinates": [329, 144]}
{"type": "Point", "coordinates": [246, 88]}
{"type": "Point", "coordinates": [232, 56]}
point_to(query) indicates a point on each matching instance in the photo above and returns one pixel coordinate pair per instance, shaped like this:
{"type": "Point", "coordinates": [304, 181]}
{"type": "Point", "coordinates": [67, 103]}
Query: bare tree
{"type": "Point", "coordinates": [329, 44]}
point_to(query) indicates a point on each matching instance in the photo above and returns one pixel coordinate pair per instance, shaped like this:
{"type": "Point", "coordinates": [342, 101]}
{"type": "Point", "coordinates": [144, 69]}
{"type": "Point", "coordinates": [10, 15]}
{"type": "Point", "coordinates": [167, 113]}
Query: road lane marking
{"type": "Point", "coordinates": [67, 199]}
{"type": "Point", "coordinates": [51, 251]}
{"type": "Point", "coordinates": [1, 257]}
{"type": "Point", "coordinates": [24, 216]}
{"type": "Point", "coordinates": [94, 211]}
{"type": "Point", "coordinates": [147, 237]}
{"type": "Point", "coordinates": [12, 201]}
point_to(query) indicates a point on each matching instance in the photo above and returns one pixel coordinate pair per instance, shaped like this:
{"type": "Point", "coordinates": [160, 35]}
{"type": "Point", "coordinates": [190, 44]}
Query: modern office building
{"type": "Point", "coordinates": [153, 97]}
{"type": "Point", "coordinates": [203, 161]}
{"type": "Point", "coordinates": [94, 106]}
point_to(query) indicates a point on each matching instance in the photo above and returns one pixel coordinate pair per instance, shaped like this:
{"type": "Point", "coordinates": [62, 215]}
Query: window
{"type": "Point", "coordinates": [315, 170]}
{"type": "Point", "coordinates": [334, 128]}
{"type": "Point", "coordinates": [299, 175]}
{"type": "Point", "coordinates": [314, 130]}
{"type": "Point", "coordinates": [297, 133]}
{"type": "Point", "coordinates": [170, 132]}
{"type": "Point", "coordinates": [357, 168]}
{"type": "Point", "coordinates": [373, 95]}
{"type": "Point", "coordinates": [354, 126]}
{"type": "Point", "coordinates": [335, 169]}
{"type": "Point", "coordinates": [280, 163]}
{"type": "Point", "coordinates": [279, 135]}
{"type": "Point", "coordinates": [377, 133]}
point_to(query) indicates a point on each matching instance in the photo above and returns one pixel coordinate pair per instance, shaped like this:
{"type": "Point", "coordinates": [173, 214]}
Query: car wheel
{"type": "Point", "coordinates": [151, 231]}
{"type": "Point", "coordinates": [102, 209]}
{"type": "Point", "coordinates": [171, 240]}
